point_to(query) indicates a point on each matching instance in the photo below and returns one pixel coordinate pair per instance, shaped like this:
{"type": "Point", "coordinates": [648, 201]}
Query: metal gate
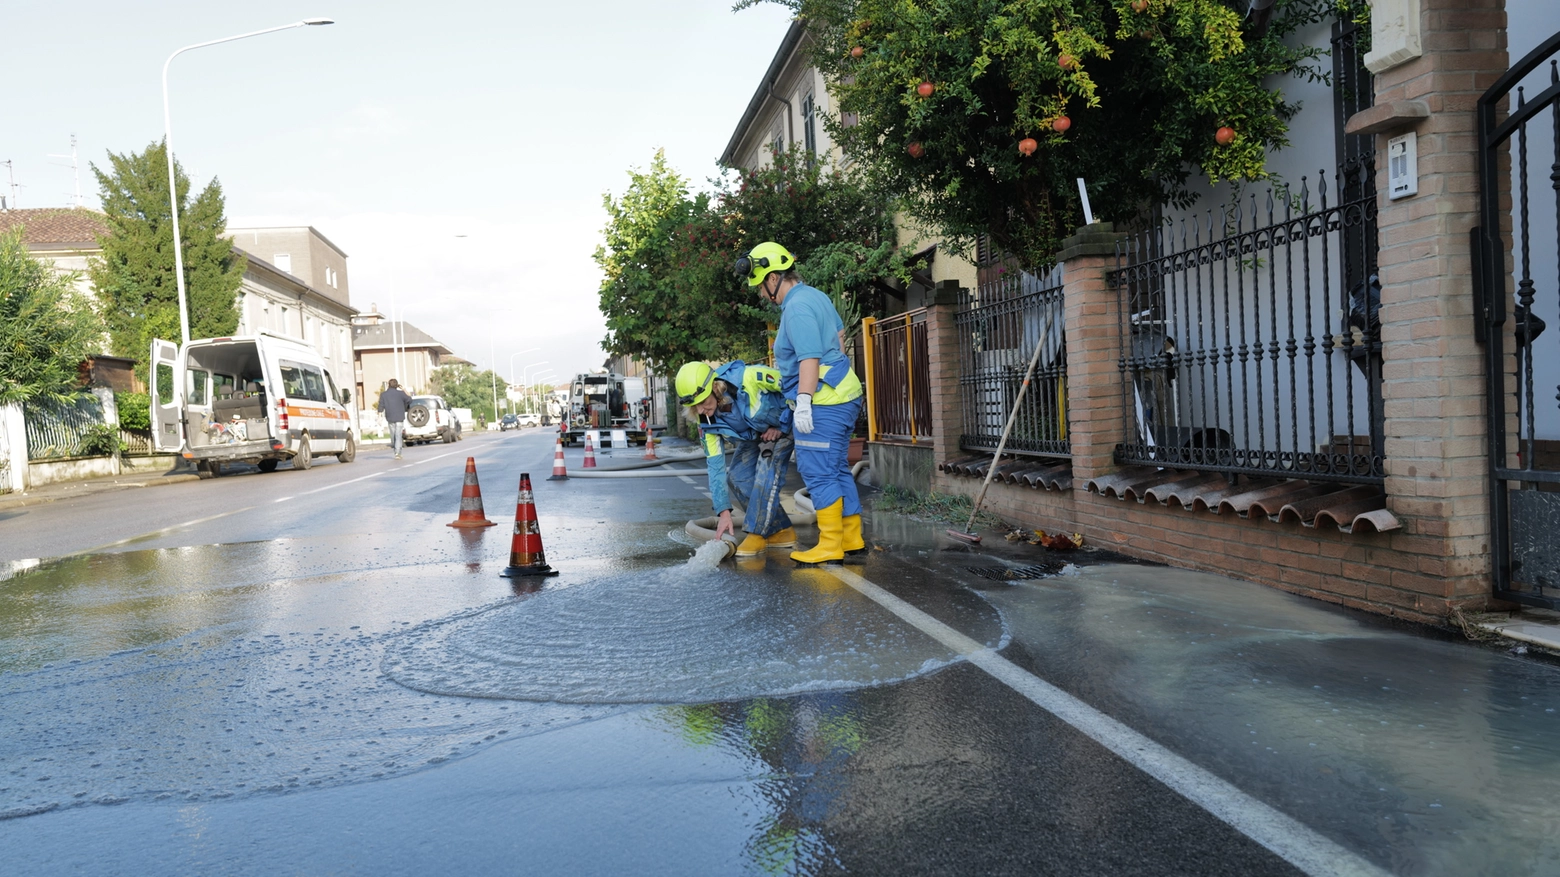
{"type": "Point", "coordinates": [1516, 298]}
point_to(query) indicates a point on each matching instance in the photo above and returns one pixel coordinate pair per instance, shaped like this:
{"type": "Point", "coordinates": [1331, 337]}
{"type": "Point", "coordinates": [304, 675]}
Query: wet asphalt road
{"type": "Point", "coordinates": [307, 672]}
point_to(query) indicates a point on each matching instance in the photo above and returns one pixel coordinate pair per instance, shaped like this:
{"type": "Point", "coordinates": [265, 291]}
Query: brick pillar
{"type": "Point", "coordinates": [942, 353]}
{"type": "Point", "coordinates": [1433, 369]}
{"type": "Point", "coordinates": [1095, 404]}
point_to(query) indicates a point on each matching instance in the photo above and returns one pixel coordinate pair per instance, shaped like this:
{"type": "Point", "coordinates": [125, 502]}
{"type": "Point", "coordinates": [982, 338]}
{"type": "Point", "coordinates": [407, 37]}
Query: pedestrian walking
{"type": "Point", "coordinates": [824, 394]}
{"type": "Point", "coordinates": [743, 403]}
{"type": "Point", "coordinates": [393, 403]}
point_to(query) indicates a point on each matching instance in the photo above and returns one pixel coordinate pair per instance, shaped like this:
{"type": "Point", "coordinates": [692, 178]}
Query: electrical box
{"type": "Point", "coordinates": [1402, 166]}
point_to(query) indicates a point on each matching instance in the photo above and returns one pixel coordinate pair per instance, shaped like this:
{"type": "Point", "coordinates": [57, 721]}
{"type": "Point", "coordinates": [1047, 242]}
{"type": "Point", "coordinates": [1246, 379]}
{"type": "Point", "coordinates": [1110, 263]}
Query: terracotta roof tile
{"type": "Point", "coordinates": [56, 225]}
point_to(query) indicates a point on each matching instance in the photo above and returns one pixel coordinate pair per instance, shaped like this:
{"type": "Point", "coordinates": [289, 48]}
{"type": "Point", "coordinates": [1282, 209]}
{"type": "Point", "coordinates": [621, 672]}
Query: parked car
{"type": "Point", "coordinates": [530, 419]}
{"type": "Point", "coordinates": [508, 422]}
{"type": "Point", "coordinates": [430, 419]}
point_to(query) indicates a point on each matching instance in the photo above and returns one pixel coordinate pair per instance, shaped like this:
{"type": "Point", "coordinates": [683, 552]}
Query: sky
{"type": "Point", "coordinates": [458, 152]}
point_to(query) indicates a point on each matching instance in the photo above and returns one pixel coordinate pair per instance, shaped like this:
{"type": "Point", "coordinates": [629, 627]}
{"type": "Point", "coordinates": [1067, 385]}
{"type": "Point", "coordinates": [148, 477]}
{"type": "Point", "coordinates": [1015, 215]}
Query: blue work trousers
{"type": "Point", "coordinates": [821, 456]}
{"type": "Point", "coordinates": [755, 481]}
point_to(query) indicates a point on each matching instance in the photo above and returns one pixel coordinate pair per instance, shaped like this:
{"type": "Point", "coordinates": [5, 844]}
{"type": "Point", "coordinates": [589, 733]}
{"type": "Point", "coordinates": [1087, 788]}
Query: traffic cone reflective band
{"type": "Point", "coordinates": [590, 453]}
{"type": "Point", "coordinates": [560, 472]}
{"type": "Point", "coordinates": [471, 513]}
{"type": "Point", "coordinates": [525, 549]}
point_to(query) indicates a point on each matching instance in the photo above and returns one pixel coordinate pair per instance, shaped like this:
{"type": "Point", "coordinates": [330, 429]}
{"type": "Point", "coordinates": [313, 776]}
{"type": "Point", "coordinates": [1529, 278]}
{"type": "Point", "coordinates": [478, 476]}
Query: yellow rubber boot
{"type": "Point", "coordinates": [784, 539]}
{"type": "Point", "coordinates": [754, 544]}
{"type": "Point", "coordinates": [831, 535]}
{"type": "Point", "coordinates": [855, 547]}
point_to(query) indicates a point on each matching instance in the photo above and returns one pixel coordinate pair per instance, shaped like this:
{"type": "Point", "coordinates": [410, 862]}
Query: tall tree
{"type": "Point", "coordinates": [668, 292]}
{"type": "Point", "coordinates": [981, 115]}
{"type": "Point", "coordinates": [134, 276]}
{"type": "Point", "coordinates": [465, 386]}
{"type": "Point", "coordinates": [661, 289]}
{"type": "Point", "coordinates": [46, 326]}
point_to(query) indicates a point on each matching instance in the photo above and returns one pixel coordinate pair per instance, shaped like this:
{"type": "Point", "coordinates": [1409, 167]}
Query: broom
{"type": "Point", "coordinates": [991, 470]}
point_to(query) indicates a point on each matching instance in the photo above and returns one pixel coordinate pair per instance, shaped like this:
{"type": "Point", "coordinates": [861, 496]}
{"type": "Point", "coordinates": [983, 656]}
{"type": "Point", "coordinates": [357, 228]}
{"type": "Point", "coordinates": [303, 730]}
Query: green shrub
{"type": "Point", "coordinates": [101, 440]}
{"type": "Point", "coordinates": [135, 411]}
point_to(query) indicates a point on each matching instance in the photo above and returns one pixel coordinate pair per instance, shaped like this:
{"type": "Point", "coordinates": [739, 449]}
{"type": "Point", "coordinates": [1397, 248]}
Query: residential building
{"type": "Point", "coordinates": [1343, 390]}
{"type": "Point", "coordinates": [386, 349]}
{"type": "Point", "coordinates": [271, 298]}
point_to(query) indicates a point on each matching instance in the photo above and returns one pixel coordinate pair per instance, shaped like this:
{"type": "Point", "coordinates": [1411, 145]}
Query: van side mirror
{"type": "Point", "coordinates": [346, 395]}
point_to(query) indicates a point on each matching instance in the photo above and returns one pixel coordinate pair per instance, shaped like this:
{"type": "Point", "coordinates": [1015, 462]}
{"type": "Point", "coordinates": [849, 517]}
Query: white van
{"type": "Point", "coordinates": [258, 399]}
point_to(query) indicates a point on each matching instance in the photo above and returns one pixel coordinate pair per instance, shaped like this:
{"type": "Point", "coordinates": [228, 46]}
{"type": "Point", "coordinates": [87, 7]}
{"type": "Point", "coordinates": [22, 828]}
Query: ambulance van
{"type": "Point", "coordinates": [258, 399]}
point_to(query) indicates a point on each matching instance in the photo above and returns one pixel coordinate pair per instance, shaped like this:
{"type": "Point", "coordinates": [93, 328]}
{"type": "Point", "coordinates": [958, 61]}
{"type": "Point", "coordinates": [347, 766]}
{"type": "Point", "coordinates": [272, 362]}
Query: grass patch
{"type": "Point", "coordinates": [938, 507]}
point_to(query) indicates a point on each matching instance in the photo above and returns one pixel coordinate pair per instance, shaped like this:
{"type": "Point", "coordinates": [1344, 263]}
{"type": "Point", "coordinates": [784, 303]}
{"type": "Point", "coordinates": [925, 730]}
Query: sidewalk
{"type": "Point", "coordinates": [88, 486]}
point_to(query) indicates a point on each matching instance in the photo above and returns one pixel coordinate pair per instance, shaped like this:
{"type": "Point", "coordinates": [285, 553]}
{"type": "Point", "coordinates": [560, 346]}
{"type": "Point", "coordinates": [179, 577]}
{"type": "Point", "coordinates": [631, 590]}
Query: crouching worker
{"type": "Point", "coordinates": [743, 403]}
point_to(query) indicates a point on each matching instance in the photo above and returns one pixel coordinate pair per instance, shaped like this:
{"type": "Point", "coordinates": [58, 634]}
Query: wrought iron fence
{"type": "Point", "coordinates": [1251, 338]}
{"type": "Point", "coordinates": [1517, 312]}
{"type": "Point", "coordinates": [55, 429]}
{"type": "Point", "coordinates": [898, 380]}
{"type": "Point", "coordinates": [1016, 313]}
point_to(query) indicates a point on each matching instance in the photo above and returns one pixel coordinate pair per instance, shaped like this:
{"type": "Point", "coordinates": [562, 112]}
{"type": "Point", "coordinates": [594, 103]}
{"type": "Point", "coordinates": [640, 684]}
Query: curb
{"type": "Point", "coordinates": [19, 500]}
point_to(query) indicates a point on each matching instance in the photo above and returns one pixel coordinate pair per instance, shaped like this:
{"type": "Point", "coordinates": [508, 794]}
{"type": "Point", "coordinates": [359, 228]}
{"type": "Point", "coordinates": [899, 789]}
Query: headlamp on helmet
{"type": "Point", "coordinates": [763, 259]}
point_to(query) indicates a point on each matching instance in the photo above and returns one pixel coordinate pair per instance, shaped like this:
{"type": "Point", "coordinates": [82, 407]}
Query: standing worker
{"type": "Point", "coordinates": [393, 402]}
{"type": "Point", "coordinates": [743, 403]}
{"type": "Point", "coordinates": [824, 392]}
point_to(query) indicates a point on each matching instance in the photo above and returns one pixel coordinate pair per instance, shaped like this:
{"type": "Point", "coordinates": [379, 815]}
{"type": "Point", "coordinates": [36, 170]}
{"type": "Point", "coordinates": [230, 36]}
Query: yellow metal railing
{"type": "Point", "coordinates": [898, 381]}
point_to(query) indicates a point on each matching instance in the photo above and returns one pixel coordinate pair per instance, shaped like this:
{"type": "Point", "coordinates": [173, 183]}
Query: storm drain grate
{"type": "Point", "coordinates": [1008, 574]}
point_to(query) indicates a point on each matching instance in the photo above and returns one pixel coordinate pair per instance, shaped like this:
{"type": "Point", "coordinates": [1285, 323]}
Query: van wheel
{"type": "Point", "coordinates": [303, 458]}
{"type": "Point", "coordinates": [204, 470]}
{"type": "Point", "coordinates": [446, 436]}
{"type": "Point", "coordinates": [350, 453]}
{"type": "Point", "coordinates": [267, 465]}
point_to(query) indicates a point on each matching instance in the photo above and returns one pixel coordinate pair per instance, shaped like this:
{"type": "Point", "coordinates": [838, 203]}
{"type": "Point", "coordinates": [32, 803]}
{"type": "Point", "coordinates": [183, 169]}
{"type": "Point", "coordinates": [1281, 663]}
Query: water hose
{"type": "Point", "coordinates": [703, 529]}
{"type": "Point", "coordinates": [625, 472]}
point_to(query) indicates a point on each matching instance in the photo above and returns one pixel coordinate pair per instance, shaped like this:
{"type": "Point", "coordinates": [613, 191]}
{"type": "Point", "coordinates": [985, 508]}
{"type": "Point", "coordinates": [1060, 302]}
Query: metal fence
{"type": "Point", "coordinates": [1012, 315]}
{"type": "Point", "coordinates": [899, 382]}
{"type": "Point", "coordinates": [7, 484]}
{"type": "Point", "coordinates": [55, 429]}
{"type": "Point", "coordinates": [1252, 341]}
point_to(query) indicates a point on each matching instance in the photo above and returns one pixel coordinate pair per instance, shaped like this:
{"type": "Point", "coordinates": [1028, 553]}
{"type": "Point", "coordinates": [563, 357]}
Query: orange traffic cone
{"type": "Point", "coordinates": [471, 513]}
{"type": "Point", "coordinates": [590, 453]}
{"type": "Point", "coordinates": [525, 550]}
{"type": "Point", "coordinates": [650, 444]}
{"type": "Point", "coordinates": [560, 471]}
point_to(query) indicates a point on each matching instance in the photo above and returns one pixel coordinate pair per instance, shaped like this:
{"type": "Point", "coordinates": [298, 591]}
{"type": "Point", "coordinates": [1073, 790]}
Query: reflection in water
{"type": "Point", "coordinates": [802, 745]}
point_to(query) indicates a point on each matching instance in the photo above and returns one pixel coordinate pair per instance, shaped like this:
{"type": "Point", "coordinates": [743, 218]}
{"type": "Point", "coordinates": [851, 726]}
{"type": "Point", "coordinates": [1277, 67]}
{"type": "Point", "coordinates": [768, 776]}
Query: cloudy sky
{"type": "Point", "coordinates": [457, 151]}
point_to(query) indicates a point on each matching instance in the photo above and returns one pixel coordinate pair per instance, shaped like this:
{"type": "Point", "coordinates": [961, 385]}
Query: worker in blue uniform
{"type": "Point", "coordinates": [824, 393]}
{"type": "Point", "coordinates": [742, 403]}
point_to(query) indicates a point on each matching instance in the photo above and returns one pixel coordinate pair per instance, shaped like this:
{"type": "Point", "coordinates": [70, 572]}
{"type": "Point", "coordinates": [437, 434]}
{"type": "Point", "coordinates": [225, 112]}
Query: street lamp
{"type": "Point", "coordinates": [512, 360]}
{"type": "Point", "coordinates": [535, 380]}
{"type": "Point", "coordinates": [173, 187]}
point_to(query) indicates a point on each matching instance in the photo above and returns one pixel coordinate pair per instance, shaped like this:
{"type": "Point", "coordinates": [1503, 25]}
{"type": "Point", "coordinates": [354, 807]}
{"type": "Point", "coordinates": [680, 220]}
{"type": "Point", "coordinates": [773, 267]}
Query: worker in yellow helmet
{"type": "Point", "coordinates": [824, 393]}
{"type": "Point", "coordinates": [742, 403]}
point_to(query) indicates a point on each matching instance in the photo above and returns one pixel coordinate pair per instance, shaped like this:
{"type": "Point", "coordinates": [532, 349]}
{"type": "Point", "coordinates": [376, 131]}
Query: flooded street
{"type": "Point", "coordinates": [241, 685]}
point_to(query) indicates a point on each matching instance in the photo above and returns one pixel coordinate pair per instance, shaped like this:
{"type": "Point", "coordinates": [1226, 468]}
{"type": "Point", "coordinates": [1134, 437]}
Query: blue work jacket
{"type": "Point", "coordinates": [757, 407]}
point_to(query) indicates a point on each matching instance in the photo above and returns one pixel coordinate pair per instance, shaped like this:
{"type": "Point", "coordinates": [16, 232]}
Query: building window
{"type": "Point", "coordinates": [777, 144]}
{"type": "Point", "coordinates": [283, 262]}
{"type": "Point", "coordinates": [809, 123]}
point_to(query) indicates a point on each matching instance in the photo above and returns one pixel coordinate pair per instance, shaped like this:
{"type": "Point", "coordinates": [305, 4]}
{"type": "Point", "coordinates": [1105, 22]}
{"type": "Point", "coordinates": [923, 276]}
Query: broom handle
{"type": "Point", "coordinates": [1002, 443]}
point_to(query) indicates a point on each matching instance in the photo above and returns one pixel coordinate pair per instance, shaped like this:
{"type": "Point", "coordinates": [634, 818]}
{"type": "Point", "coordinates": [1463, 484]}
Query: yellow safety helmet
{"type": "Point", "coordinates": [693, 383]}
{"type": "Point", "coordinates": [762, 259]}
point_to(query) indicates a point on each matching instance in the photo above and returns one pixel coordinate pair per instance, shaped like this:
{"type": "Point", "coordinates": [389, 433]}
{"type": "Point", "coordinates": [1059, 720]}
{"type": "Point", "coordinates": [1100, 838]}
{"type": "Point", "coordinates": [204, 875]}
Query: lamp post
{"type": "Point", "coordinates": [512, 360]}
{"type": "Point", "coordinates": [173, 186]}
{"type": "Point", "coordinates": [533, 380]}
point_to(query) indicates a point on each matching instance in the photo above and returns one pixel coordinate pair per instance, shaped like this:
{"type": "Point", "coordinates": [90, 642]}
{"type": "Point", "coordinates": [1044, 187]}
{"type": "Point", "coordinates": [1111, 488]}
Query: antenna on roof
{"type": "Point", "coordinates": [74, 167]}
{"type": "Point", "coordinates": [12, 168]}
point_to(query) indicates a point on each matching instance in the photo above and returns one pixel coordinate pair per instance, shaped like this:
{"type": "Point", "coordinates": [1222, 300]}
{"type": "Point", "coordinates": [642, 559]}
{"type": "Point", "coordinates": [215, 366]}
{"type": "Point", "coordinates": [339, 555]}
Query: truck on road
{"type": "Point", "coordinates": [603, 401]}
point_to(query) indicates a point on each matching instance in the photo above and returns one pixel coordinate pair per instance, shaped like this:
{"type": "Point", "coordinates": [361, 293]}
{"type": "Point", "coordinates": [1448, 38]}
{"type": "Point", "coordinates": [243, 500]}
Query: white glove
{"type": "Point", "coordinates": [802, 416]}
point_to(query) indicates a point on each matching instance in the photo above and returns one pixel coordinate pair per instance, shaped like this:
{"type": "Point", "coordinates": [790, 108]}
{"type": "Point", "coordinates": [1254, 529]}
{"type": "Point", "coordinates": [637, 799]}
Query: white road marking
{"type": "Point", "coordinates": [1285, 837]}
